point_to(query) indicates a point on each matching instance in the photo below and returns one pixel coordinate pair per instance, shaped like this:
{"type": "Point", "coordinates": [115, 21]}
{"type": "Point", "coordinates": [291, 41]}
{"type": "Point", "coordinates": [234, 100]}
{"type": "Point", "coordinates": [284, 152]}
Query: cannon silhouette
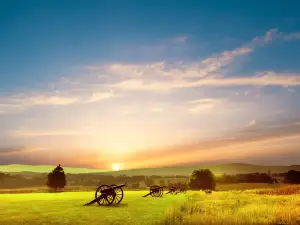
{"type": "Point", "coordinates": [175, 189]}
{"type": "Point", "coordinates": [155, 191]}
{"type": "Point", "coordinates": [108, 194]}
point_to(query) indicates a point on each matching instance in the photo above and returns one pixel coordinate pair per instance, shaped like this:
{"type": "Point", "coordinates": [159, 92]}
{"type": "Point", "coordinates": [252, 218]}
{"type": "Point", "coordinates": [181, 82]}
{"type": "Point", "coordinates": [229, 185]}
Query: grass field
{"type": "Point", "coordinates": [256, 206]}
{"type": "Point", "coordinates": [66, 208]}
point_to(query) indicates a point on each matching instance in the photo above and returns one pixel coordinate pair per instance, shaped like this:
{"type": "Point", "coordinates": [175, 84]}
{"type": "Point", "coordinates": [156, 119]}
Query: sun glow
{"type": "Point", "coordinates": [115, 167]}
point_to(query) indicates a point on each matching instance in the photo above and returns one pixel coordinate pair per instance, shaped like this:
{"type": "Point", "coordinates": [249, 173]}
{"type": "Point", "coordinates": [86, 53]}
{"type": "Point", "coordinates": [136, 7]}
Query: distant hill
{"type": "Point", "coordinates": [17, 168]}
{"type": "Point", "coordinates": [217, 169]}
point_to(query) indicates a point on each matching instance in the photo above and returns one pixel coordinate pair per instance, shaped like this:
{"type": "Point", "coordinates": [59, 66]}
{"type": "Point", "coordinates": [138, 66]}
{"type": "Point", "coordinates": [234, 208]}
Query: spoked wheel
{"type": "Point", "coordinates": [161, 192]}
{"type": "Point", "coordinates": [108, 195]}
{"type": "Point", "coordinates": [119, 194]}
{"type": "Point", "coordinates": [157, 191]}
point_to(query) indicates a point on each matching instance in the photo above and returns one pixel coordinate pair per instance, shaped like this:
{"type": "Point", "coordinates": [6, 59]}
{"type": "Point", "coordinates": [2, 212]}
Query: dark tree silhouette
{"type": "Point", "coordinates": [292, 177]}
{"type": "Point", "coordinates": [202, 180]}
{"type": "Point", "coordinates": [57, 178]}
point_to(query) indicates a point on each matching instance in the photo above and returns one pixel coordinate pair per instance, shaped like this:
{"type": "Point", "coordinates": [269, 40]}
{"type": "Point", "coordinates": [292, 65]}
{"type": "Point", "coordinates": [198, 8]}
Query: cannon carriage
{"type": "Point", "coordinates": [108, 194]}
{"type": "Point", "coordinates": [155, 191]}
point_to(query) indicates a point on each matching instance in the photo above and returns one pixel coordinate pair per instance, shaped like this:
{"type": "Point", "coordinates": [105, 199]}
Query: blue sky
{"type": "Point", "coordinates": [122, 78]}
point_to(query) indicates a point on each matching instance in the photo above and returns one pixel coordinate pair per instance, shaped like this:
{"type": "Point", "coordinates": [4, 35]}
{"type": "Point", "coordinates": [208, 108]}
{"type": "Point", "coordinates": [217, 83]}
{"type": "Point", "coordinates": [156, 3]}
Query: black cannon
{"type": "Point", "coordinates": [155, 191]}
{"type": "Point", "coordinates": [172, 190]}
{"type": "Point", "coordinates": [108, 194]}
{"type": "Point", "coordinates": [178, 188]}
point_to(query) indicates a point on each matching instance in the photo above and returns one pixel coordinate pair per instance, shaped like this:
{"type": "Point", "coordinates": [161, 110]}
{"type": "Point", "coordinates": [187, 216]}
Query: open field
{"type": "Point", "coordinates": [256, 206]}
{"type": "Point", "coordinates": [219, 187]}
{"type": "Point", "coordinates": [66, 208]}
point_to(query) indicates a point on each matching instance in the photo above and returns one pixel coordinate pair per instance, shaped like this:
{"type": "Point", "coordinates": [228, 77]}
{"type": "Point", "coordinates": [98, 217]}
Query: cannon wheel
{"type": "Point", "coordinates": [119, 194]}
{"type": "Point", "coordinates": [156, 193]}
{"type": "Point", "coordinates": [161, 192]}
{"type": "Point", "coordinates": [108, 199]}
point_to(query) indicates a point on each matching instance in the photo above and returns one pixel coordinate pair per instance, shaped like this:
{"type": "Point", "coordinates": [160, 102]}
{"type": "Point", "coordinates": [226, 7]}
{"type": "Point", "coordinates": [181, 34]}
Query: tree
{"type": "Point", "coordinates": [202, 180]}
{"type": "Point", "coordinates": [57, 178]}
{"type": "Point", "coordinates": [292, 177]}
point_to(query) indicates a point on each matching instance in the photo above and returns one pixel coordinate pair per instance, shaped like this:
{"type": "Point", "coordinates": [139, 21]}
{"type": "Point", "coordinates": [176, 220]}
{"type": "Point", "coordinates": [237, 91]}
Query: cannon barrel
{"type": "Point", "coordinates": [108, 191]}
{"type": "Point", "coordinates": [113, 187]}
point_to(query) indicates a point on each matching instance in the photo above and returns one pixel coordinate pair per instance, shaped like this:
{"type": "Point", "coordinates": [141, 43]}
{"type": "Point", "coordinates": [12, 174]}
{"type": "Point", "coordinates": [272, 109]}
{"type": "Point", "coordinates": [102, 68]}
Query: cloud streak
{"type": "Point", "coordinates": [16, 151]}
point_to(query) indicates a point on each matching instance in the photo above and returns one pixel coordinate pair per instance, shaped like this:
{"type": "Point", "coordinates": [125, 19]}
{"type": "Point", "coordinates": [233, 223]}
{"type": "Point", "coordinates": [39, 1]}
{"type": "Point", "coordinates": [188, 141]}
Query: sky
{"type": "Point", "coordinates": [149, 83]}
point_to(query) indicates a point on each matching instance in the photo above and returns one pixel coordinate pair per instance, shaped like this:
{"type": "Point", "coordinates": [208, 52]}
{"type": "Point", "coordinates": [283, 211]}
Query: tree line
{"type": "Point", "coordinates": [206, 176]}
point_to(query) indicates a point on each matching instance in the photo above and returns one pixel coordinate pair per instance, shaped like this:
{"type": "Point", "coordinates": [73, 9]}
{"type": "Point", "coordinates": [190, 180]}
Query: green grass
{"type": "Point", "coordinates": [66, 208]}
{"type": "Point", "coordinates": [223, 207]}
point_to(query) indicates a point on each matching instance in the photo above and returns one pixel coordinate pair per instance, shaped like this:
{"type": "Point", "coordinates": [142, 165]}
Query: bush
{"type": "Point", "coordinates": [202, 180]}
{"type": "Point", "coordinates": [57, 178]}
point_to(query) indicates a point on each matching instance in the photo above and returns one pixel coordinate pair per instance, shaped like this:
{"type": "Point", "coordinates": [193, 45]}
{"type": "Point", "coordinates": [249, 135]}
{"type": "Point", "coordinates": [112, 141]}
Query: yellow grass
{"type": "Point", "coordinates": [235, 207]}
{"type": "Point", "coordinates": [285, 190]}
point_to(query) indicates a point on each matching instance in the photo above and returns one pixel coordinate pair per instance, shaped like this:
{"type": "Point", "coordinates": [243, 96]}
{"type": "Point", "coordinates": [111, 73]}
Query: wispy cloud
{"type": "Point", "coordinates": [103, 81]}
{"type": "Point", "coordinates": [203, 105]}
{"type": "Point", "coordinates": [99, 96]}
{"type": "Point", "coordinates": [16, 151]}
{"type": "Point", "coordinates": [20, 101]}
{"type": "Point", "coordinates": [268, 79]}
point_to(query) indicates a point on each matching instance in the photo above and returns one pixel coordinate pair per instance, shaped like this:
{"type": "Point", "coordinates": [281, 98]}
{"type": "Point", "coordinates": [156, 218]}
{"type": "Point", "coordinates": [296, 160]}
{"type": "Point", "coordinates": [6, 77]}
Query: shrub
{"type": "Point", "coordinates": [57, 178]}
{"type": "Point", "coordinates": [202, 180]}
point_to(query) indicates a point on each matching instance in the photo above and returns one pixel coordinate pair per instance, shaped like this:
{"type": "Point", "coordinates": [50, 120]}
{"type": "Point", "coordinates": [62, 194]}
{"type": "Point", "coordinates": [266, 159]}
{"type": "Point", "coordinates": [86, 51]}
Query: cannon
{"type": "Point", "coordinates": [175, 189]}
{"type": "Point", "coordinates": [172, 190]}
{"type": "Point", "coordinates": [155, 191]}
{"type": "Point", "coordinates": [108, 194]}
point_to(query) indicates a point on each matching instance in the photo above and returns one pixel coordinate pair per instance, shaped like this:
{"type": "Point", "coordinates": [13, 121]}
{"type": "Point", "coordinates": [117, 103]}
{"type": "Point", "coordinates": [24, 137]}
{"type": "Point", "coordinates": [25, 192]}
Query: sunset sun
{"type": "Point", "coordinates": [115, 167]}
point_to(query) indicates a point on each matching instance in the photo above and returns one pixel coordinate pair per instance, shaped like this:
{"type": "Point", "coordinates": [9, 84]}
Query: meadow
{"type": "Point", "coordinates": [263, 205]}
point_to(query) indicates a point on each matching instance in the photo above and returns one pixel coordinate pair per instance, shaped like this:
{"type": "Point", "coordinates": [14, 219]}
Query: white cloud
{"type": "Point", "coordinates": [203, 105]}
{"type": "Point", "coordinates": [156, 77]}
{"type": "Point", "coordinates": [269, 79]}
{"type": "Point", "coordinates": [99, 96]}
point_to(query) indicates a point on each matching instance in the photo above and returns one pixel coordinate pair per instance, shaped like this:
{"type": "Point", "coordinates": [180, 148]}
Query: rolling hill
{"type": "Point", "coordinates": [217, 169]}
